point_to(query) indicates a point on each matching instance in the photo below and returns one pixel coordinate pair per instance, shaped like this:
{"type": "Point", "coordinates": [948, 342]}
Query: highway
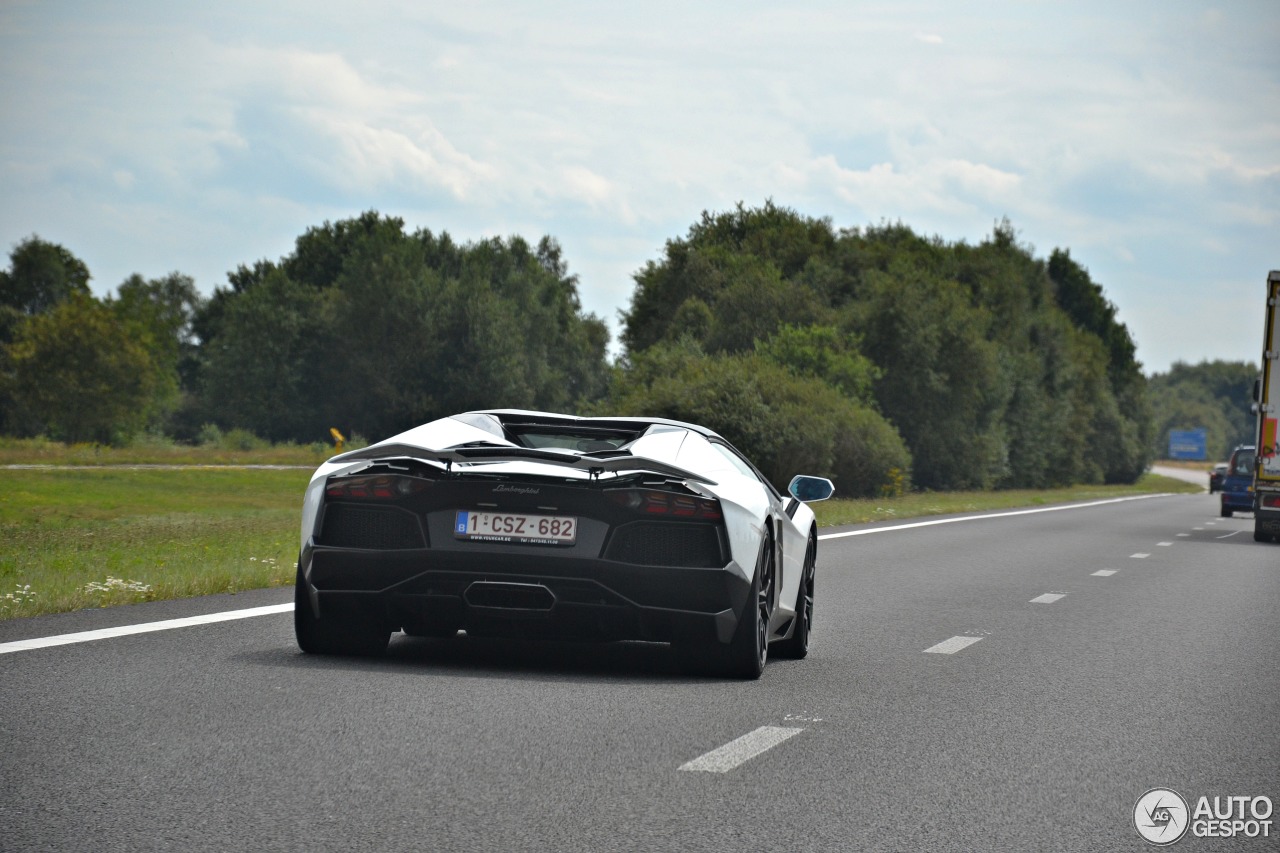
{"type": "Point", "coordinates": [1012, 682]}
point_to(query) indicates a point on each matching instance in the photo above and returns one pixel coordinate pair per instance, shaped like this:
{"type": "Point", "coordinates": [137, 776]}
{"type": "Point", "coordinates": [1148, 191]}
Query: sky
{"type": "Point", "coordinates": [1142, 135]}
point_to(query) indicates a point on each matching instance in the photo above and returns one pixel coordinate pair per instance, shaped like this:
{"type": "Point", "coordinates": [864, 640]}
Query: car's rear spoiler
{"type": "Point", "coordinates": [601, 461]}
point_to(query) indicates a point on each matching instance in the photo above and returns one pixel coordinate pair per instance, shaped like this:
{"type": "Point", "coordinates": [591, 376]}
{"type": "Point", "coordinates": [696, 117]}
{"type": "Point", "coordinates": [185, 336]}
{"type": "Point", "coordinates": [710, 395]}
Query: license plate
{"type": "Point", "coordinates": [515, 528]}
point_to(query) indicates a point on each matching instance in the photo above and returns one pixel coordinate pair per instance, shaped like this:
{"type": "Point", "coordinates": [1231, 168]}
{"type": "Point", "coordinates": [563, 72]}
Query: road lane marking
{"type": "Point", "coordinates": [950, 647]}
{"type": "Point", "coordinates": [1229, 535]}
{"type": "Point", "coordinates": [143, 628]}
{"type": "Point", "coordinates": [1138, 556]}
{"type": "Point", "coordinates": [1184, 534]}
{"type": "Point", "coordinates": [735, 752]}
{"type": "Point", "coordinates": [1104, 573]}
{"type": "Point", "coordinates": [1163, 544]}
{"type": "Point", "coordinates": [935, 521]}
{"type": "Point", "coordinates": [1197, 528]}
{"type": "Point", "coordinates": [1047, 598]}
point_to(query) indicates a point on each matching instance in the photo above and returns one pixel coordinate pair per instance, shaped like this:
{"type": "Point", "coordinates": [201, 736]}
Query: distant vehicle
{"type": "Point", "coordinates": [1237, 486]}
{"type": "Point", "coordinates": [530, 524]}
{"type": "Point", "coordinates": [1216, 477]}
{"type": "Point", "coordinates": [1266, 475]}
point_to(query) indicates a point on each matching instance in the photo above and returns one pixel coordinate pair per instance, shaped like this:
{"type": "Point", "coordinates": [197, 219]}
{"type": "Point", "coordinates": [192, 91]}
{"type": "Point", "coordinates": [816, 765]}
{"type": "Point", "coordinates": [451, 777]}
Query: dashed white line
{"type": "Point", "coordinates": [743, 749]}
{"type": "Point", "coordinates": [1138, 556]}
{"type": "Point", "coordinates": [1047, 598]}
{"type": "Point", "coordinates": [144, 628]}
{"type": "Point", "coordinates": [1163, 544]}
{"type": "Point", "coordinates": [951, 646]}
{"type": "Point", "coordinates": [1184, 534]}
{"type": "Point", "coordinates": [1104, 573]}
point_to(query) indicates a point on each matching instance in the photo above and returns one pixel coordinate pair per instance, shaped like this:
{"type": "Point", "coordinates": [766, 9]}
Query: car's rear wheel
{"type": "Point", "coordinates": [797, 645]}
{"type": "Point", "coordinates": [1226, 511]}
{"type": "Point", "coordinates": [333, 636]}
{"type": "Point", "coordinates": [746, 654]}
{"type": "Point", "coordinates": [1260, 535]}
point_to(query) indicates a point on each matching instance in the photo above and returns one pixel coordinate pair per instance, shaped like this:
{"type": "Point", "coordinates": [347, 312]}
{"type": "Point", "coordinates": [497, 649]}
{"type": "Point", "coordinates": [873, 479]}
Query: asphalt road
{"type": "Point", "coordinates": [1071, 694]}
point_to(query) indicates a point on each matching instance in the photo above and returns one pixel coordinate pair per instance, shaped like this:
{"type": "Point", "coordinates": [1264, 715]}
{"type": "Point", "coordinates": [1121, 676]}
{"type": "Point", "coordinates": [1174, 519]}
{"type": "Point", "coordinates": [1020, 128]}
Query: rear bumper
{"type": "Point", "coordinates": [1266, 519]}
{"type": "Point", "coordinates": [1238, 500]}
{"type": "Point", "coordinates": [429, 591]}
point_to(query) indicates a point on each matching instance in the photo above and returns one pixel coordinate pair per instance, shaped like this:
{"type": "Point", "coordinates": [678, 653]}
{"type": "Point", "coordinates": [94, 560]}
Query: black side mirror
{"type": "Point", "coordinates": [810, 489]}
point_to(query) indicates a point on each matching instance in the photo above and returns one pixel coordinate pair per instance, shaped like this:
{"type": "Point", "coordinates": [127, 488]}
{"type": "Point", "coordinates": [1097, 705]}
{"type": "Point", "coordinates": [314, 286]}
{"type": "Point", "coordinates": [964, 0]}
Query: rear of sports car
{"type": "Point", "coordinates": [515, 548]}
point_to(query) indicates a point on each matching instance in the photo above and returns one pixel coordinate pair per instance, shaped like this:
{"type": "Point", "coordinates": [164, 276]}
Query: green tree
{"type": "Point", "coordinates": [750, 266]}
{"type": "Point", "coordinates": [79, 373]}
{"type": "Point", "coordinates": [822, 352]}
{"type": "Point", "coordinates": [1216, 396]}
{"type": "Point", "coordinates": [161, 312]}
{"type": "Point", "coordinates": [998, 368]}
{"type": "Point", "coordinates": [40, 276]}
{"type": "Point", "coordinates": [268, 369]}
{"type": "Point", "coordinates": [398, 329]}
{"type": "Point", "coordinates": [940, 376]}
{"type": "Point", "coordinates": [786, 423]}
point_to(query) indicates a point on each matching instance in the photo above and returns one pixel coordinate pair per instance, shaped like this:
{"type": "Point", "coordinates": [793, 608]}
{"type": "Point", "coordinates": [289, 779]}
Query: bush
{"type": "Point", "coordinates": [242, 439]}
{"type": "Point", "coordinates": [785, 424]}
{"type": "Point", "coordinates": [210, 435]}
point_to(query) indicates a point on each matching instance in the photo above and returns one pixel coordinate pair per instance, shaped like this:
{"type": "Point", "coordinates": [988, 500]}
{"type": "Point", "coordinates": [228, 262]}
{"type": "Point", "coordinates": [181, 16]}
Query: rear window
{"type": "Point", "coordinates": [573, 440]}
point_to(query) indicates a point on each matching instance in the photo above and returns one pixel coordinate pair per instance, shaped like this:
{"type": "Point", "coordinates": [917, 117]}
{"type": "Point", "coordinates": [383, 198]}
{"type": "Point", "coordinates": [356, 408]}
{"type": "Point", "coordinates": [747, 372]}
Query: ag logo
{"type": "Point", "coordinates": [1161, 816]}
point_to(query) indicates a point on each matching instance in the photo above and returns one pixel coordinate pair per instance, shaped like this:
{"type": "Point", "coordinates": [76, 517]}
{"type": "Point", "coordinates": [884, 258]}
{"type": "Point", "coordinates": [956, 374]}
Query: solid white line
{"type": "Point", "coordinates": [735, 752]}
{"type": "Point", "coordinates": [1104, 573]}
{"type": "Point", "coordinates": [950, 647]}
{"type": "Point", "coordinates": [1047, 598]}
{"type": "Point", "coordinates": [935, 521]}
{"type": "Point", "coordinates": [144, 628]}
{"type": "Point", "coordinates": [1229, 535]}
{"type": "Point", "coordinates": [1138, 556]}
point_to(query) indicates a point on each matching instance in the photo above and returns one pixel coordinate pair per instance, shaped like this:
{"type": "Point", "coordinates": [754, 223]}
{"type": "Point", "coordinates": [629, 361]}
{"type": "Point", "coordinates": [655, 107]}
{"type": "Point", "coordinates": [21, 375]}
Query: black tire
{"type": "Point", "coordinates": [1226, 511]}
{"type": "Point", "coordinates": [1259, 535]}
{"type": "Point", "coordinates": [796, 646]}
{"type": "Point", "coordinates": [333, 636]}
{"type": "Point", "coordinates": [747, 652]}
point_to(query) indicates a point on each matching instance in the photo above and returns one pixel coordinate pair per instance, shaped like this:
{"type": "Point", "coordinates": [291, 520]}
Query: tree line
{"type": "Point", "coordinates": [878, 356]}
{"type": "Point", "coordinates": [1216, 396]}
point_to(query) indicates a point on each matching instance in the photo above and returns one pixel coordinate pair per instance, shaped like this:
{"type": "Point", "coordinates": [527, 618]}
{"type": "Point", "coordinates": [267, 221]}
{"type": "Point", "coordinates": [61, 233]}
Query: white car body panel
{"type": "Point", "coordinates": [751, 507]}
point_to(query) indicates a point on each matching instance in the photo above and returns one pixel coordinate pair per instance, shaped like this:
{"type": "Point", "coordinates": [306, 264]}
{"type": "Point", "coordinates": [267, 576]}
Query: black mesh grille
{"type": "Point", "coordinates": [348, 526]}
{"type": "Point", "coordinates": [660, 544]}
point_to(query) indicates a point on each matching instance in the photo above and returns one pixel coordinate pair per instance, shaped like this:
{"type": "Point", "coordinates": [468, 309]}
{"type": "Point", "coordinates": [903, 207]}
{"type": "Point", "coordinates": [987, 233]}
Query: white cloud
{"type": "Point", "coordinates": [928, 187]}
{"type": "Point", "coordinates": [1153, 159]}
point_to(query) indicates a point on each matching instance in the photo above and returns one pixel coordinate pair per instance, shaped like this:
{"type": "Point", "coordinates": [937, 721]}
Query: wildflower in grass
{"type": "Point", "coordinates": [116, 585]}
{"type": "Point", "coordinates": [21, 595]}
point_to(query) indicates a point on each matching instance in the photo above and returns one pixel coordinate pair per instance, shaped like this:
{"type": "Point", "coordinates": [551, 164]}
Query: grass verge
{"type": "Point", "coordinates": [837, 512]}
{"type": "Point", "coordinates": [39, 451]}
{"type": "Point", "coordinates": [71, 539]}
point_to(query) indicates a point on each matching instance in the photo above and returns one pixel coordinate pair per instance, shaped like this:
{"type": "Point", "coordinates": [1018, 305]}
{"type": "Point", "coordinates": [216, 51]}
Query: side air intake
{"type": "Point", "coordinates": [688, 546]}
{"type": "Point", "coordinates": [384, 528]}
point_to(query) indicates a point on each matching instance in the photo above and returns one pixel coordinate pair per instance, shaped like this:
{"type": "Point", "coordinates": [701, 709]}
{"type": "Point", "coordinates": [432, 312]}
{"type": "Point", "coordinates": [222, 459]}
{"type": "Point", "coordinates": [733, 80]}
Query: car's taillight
{"type": "Point", "coordinates": [652, 502]}
{"type": "Point", "coordinates": [375, 487]}
{"type": "Point", "coordinates": [1271, 501]}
